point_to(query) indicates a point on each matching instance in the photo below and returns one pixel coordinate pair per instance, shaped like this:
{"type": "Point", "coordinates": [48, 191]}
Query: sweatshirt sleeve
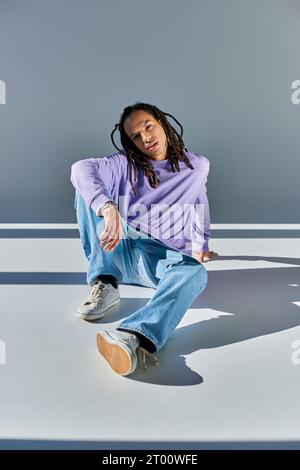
{"type": "Point", "coordinates": [94, 179]}
{"type": "Point", "coordinates": [202, 228]}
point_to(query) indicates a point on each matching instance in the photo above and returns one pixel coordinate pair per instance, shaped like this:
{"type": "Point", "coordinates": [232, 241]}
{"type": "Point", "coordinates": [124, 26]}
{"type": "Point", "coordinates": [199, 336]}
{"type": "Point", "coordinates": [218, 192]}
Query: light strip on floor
{"type": "Point", "coordinates": [213, 226]}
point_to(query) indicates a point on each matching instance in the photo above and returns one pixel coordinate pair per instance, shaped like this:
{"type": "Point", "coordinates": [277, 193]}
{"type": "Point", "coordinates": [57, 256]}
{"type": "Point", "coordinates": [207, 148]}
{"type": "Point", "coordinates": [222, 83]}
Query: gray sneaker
{"type": "Point", "coordinates": [122, 351]}
{"type": "Point", "coordinates": [102, 297]}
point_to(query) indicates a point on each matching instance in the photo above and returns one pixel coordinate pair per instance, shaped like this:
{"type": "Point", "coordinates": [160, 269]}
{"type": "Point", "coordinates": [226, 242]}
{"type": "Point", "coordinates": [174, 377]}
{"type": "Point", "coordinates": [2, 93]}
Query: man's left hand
{"type": "Point", "coordinates": [204, 256]}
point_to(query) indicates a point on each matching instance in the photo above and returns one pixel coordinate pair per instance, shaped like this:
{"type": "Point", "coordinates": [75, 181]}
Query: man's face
{"type": "Point", "coordinates": [143, 129]}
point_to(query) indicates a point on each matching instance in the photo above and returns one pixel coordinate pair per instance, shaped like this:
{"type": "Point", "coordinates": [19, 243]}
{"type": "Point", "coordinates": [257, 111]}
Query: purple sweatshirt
{"type": "Point", "coordinates": [176, 212]}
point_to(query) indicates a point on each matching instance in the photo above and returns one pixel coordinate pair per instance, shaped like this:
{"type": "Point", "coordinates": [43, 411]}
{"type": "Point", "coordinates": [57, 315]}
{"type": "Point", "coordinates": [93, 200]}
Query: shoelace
{"type": "Point", "coordinates": [143, 355]}
{"type": "Point", "coordinates": [96, 292]}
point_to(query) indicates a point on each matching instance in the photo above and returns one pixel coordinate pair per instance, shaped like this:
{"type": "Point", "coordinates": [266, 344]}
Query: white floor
{"type": "Point", "coordinates": [229, 376]}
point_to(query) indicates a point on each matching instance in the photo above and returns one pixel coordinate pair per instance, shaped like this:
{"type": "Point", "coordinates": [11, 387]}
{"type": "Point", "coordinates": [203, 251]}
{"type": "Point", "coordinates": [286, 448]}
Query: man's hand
{"type": "Point", "coordinates": [203, 256]}
{"type": "Point", "coordinates": [113, 230]}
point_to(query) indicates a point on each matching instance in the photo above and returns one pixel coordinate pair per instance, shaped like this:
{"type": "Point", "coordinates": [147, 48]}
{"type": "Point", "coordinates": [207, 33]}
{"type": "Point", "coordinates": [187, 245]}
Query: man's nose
{"type": "Point", "coordinates": [145, 138]}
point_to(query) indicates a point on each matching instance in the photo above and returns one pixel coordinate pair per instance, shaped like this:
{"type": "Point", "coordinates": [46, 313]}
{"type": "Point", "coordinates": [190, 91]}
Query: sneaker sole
{"type": "Point", "coordinates": [96, 316]}
{"type": "Point", "coordinates": [116, 356]}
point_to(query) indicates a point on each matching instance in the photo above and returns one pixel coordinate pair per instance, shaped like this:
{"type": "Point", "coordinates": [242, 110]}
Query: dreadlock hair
{"type": "Point", "coordinates": [136, 159]}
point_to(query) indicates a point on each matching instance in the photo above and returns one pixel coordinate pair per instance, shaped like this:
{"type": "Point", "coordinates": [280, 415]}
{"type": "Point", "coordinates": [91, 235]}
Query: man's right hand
{"type": "Point", "coordinates": [112, 233]}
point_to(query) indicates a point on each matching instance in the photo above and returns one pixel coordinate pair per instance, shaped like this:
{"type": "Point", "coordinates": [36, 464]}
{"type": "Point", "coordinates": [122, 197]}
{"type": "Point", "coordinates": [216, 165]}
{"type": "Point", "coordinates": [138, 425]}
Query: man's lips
{"type": "Point", "coordinates": [152, 145]}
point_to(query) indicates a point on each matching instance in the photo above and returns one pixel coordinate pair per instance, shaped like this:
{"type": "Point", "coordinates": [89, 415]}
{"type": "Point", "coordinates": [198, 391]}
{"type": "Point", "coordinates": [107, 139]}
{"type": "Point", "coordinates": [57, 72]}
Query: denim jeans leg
{"type": "Point", "coordinates": [117, 263]}
{"type": "Point", "coordinates": [181, 280]}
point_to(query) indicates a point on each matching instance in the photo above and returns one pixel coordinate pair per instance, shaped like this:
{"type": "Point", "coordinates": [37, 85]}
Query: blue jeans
{"type": "Point", "coordinates": [140, 259]}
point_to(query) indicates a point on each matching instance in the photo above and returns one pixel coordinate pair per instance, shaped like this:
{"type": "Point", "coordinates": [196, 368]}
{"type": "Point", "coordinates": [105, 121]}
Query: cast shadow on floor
{"type": "Point", "coordinates": [251, 302]}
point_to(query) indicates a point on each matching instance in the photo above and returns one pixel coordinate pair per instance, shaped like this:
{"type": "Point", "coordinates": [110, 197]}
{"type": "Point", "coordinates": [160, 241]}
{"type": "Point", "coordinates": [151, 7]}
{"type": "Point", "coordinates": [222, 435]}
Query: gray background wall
{"type": "Point", "coordinates": [223, 68]}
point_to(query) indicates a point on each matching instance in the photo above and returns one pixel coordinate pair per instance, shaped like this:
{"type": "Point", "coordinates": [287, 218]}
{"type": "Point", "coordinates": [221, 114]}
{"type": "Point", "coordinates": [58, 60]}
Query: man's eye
{"type": "Point", "coordinates": [148, 125]}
